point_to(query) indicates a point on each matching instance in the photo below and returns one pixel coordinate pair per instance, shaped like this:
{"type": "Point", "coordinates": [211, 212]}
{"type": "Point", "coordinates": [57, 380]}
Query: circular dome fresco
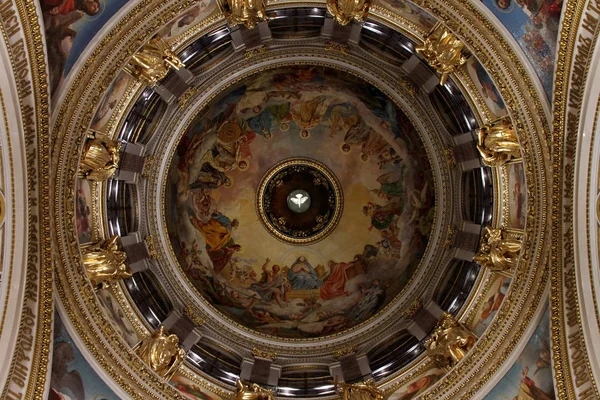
{"type": "Point", "coordinates": [227, 166]}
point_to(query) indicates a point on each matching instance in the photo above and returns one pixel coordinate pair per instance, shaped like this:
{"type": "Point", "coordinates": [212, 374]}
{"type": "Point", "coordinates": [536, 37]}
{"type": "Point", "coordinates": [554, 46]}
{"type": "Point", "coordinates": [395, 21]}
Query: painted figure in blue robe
{"type": "Point", "coordinates": [262, 123]}
{"type": "Point", "coordinates": [383, 108]}
{"type": "Point", "coordinates": [302, 275]}
{"type": "Point", "coordinates": [367, 306]}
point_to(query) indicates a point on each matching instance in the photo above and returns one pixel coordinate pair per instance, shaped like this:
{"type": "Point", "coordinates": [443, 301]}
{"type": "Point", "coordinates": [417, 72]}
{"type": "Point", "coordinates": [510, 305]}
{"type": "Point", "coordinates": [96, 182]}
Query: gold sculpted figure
{"type": "Point", "coordinates": [345, 11]}
{"type": "Point", "coordinates": [496, 253]}
{"type": "Point", "coordinates": [366, 390]}
{"type": "Point", "coordinates": [244, 12]}
{"type": "Point", "coordinates": [449, 342]}
{"type": "Point", "coordinates": [497, 143]}
{"type": "Point", "coordinates": [100, 157]}
{"type": "Point", "coordinates": [252, 392]}
{"type": "Point", "coordinates": [161, 352]}
{"type": "Point", "coordinates": [443, 51]}
{"type": "Point", "coordinates": [104, 263]}
{"type": "Point", "coordinates": [152, 62]}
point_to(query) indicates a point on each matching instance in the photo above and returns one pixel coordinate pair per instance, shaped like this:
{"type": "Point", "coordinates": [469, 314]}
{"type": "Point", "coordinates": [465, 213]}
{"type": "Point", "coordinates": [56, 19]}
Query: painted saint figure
{"type": "Point", "coordinates": [302, 275]}
{"type": "Point", "coordinates": [273, 284]}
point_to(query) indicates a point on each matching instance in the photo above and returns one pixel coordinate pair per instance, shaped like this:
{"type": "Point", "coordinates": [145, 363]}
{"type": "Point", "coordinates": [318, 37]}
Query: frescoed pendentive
{"type": "Point", "coordinates": [72, 377]}
{"type": "Point", "coordinates": [411, 13]}
{"type": "Point", "coordinates": [70, 26]}
{"type": "Point", "coordinates": [486, 88]}
{"type": "Point", "coordinates": [116, 316]}
{"type": "Point", "coordinates": [530, 377]}
{"type": "Point", "coordinates": [193, 16]}
{"type": "Point", "coordinates": [517, 196]}
{"type": "Point", "coordinates": [487, 310]}
{"type": "Point", "coordinates": [418, 385]}
{"type": "Point", "coordinates": [83, 204]}
{"type": "Point", "coordinates": [534, 24]}
{"type": "Point", "coordinates": [190, 389]}
{"type": "Point", "coordinates": [278, 288]}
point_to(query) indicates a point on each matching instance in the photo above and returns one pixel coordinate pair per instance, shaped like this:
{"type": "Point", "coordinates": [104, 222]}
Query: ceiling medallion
{"type": "Point", "coordinates": [299, 201]}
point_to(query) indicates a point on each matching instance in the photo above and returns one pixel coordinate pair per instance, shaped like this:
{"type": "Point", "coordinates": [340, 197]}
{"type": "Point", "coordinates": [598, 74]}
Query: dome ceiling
{"type": "Point", "coordinates": [413, 198]}
{"type": "Point", "coordinates": [305, 290]}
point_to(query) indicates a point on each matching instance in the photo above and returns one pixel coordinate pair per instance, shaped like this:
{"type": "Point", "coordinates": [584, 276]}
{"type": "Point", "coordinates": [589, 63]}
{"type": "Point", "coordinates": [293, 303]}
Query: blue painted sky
{"type": "Point", "coordinates": [517, 22]}
{"type": "Point", "coordinates": [88, 26]}
{"type": "Point", "coordinates": [94, 386]}
{"type": "Point", "coordinates": [508, 387]}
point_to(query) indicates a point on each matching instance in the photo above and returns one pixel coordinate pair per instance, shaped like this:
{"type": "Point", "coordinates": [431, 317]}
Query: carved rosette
{"type": "Point", "coordinates": [104, 263]}
{"type": "Point", "coordinates": [100, 158]}
{"type": "Point", "coordinates": [248, 13]}
{"type": "Point", "coordinates": [153, 62]}
{"type": "Point", "coordinates": [497, 143]}
{"type": "Point", "coordinates": [161, 352]}
{"type": "Point", "coordinates": [498, 253]}
{"type": "Point", "coordinates": [449, 342]}
{"type": "Point", "coordinates": [344, 11]}
{"type": "Point", "coordinates": [443, 51]}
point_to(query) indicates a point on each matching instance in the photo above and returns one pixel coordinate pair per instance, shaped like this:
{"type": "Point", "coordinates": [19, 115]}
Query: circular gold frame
{"type": "Point", "coordinates": [337, 191]}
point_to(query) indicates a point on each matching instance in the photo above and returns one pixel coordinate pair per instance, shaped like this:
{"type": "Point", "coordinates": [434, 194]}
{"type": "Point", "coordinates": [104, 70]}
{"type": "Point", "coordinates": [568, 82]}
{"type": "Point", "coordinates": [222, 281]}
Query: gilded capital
{"type": "Point", "coordinates": [497, 143]}
{"type": "Point", "coordinates": [153, 61]}
{"type": "Point", "coordinates": [252, 392]}
{"type": "Point", "coordinates": [100, 158]}
{"type": "Point", "coordinates": [104, 263]}
{"type": "Point", "coordinates": [449, 342]}
{"type": "Point", "coordinates": [443, 51]}
{"type": "Point", "coordinates": [497, 253]}
{"type": "Point", "coordinates": [344, 11]}
{"type": "Point", "coordinates": [161, 352]}
{"type": "Point", "coordinates": [366, 390]}
{"type": "Point", "coordinates": [243, 12]}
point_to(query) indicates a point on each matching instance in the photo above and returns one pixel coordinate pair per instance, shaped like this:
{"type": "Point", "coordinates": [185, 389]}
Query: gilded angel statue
{"type": "Point", "coordinates": [497, 253]}
{"type": "Point", "coordinates": [244, 12]}
{"type": "Point", "coordinates": [252, 392]}
{"type": "Point", "coordinates": [366, 390]}
{"type": "Point", "coordinates": [344, 11]}
{"type": "Point", "coordinates": [497, 143]}
{"type": "Point", "coordinates": [161, 352]}
{"type": "Point", "coordinates": [104, 263]}
{"type": "Point", "coordinates": [153, 61]}
{"type": "Point", "coordinates": [443, 51]}
{"type": "Point", "coordinates": [449, 342]}
{"type": "Point", "coordinates": [100, 157]}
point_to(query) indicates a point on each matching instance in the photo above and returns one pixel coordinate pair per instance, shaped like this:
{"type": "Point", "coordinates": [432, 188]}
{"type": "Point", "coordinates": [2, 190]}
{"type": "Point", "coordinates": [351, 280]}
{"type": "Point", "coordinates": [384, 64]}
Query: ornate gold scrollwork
{"type": "Point", "coordinates": [497, 253]}
{"type": "Point", "coordinates": [449, 342]}
{"type": "Point", "coordinates": [104, 263]}
{"type": "Point", "coordinates": [450, 236]}
{"type": "Point", "coordinates": [497, 143]}
{"type": "Point", "coordinates": [252, 392]}
{"type": "Point", "coordinates": [161, 352]}
{"type": "Point", "coordinates": [344, 11]}
{"type": "Point", "coordinates": [342, 352]}
{"type": "Point", "coordinates": [153, 61]}
{"type": "Point", "coordinates": [264, 354]}
{"type": "Point", "coordinates": [366, 390]}
{"type": "Point", "coordinates": [443, 51]}
{"type": "Point", "coordinates": [414, 308]}
{"type": "Point", "coordinates": [100, 157]}
{"type": "Point", "coordinates": [149, 241]}
{"type": "Point", "coordinates": [243, 12]}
